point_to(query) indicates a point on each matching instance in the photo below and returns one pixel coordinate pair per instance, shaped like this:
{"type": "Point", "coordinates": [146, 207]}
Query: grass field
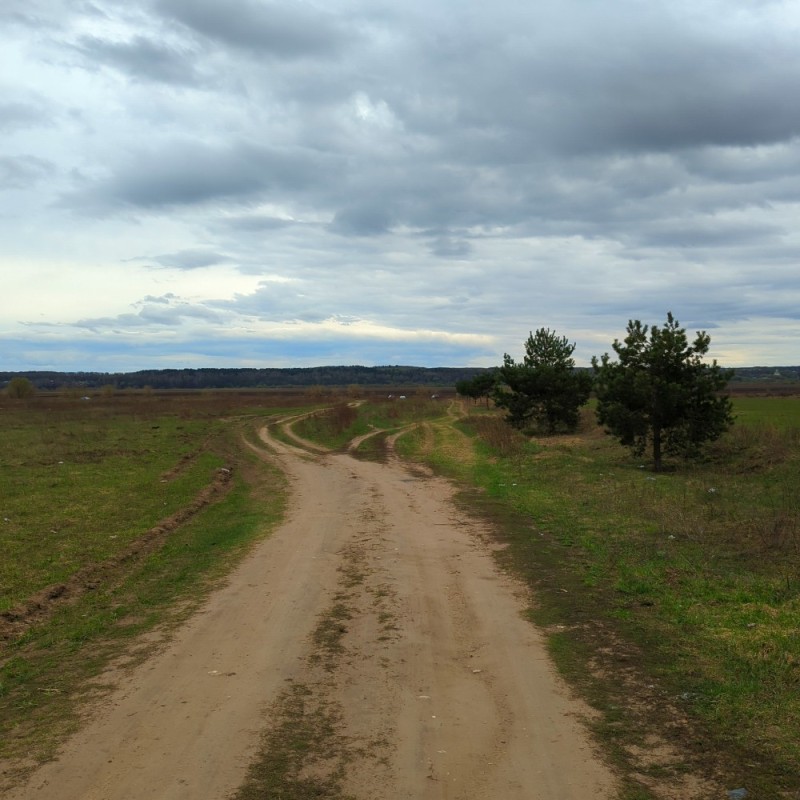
{"type": "Point", "coordinates": [672, 601]}
{"type": "Point", "coordinates": [99, 504]}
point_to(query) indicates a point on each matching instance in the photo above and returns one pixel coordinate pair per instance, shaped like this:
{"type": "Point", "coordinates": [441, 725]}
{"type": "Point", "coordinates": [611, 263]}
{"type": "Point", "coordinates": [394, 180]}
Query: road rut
{"type": "Point", "coordinates": [442, 688]}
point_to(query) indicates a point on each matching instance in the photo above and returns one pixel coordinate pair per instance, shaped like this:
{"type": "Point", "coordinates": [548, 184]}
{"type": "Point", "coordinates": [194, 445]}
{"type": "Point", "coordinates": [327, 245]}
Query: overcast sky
{"type": "Point", "coordinates": [190, 183]}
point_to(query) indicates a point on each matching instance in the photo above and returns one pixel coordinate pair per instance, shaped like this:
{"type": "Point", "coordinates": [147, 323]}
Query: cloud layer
{"type": "Point", "coordinates": [186, 183]}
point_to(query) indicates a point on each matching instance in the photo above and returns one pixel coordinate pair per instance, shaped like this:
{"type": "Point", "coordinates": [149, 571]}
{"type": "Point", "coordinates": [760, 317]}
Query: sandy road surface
{"type": "Point", "coordinates": [442, 689]}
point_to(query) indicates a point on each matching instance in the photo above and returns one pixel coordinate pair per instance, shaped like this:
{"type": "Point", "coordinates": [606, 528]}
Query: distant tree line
{"type": "Point", "coordinates": [300, 377]}
{"type": "Point", "coordinates": [246, 378]}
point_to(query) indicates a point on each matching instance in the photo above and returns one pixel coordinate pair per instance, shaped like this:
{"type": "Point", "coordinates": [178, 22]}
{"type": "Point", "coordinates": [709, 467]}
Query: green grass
{"type": "Point", "coordinates": [781, 412]}
{"type": "Point", "coordinates": [692, 575]}
{"type": "Point", "coordinates": [77, 491]}
{"type": "Point", "coordinates": [670, 595]}
{"type": "Point", "coordinates": [126, 466]}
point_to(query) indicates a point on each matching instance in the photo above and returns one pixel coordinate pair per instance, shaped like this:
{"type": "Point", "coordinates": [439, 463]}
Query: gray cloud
{"type": "Point", "coordinates": [166, 311]}
{"type": "Point", "coordinates": [190, 259]}
{"type": "Point", "coordinates": [450, 247]}
{"type": "Point", "coordinates": [22, 172]}
{"type": "Point", "coordinates": [164, 299]}
{"type": "Point", "coordinates": [27, 14]}
{"type": "Point", "coordinates": [190, 172]}
{"type": "Point", "coordinates": [708, 233]}
{"type": "Point", "coordinates": [20, 115]}
{"type": "Point", "coordinates": [362, 220]}
{"type": "Point", "coordinates": [258, 222]}
{"type": "Point", "coordinates": [276, 29]}
{"type": "Point", "coordinates": [489, 168]}
{"type": "Point", "coordinates": [143, 59]}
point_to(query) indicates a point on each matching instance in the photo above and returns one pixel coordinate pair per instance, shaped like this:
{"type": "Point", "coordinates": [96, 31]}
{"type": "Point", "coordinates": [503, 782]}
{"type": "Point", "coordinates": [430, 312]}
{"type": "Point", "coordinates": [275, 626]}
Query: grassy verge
{"type": "Point", "coordinates": [125, 466]}
{"type": "Point", "coordinates": [671, 600]}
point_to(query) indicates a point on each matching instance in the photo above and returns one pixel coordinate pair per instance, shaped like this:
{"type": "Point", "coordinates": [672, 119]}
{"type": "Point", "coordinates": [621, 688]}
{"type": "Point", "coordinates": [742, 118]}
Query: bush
{"type": "Point", "coordinates": [20, 388]}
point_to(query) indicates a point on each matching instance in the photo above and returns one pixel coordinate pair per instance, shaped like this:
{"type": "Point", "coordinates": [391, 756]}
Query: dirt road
{"type": "Point", "coordinates": [382, 603]}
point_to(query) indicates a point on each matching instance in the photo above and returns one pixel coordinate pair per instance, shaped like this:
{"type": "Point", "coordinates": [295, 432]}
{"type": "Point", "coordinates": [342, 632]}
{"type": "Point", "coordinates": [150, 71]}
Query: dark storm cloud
{"type": "Point", "coordinates": [635, 80]}
{"type": "Point", "coordinates": [749, 165]}
{"type": "Point", "coordinates": [283, 30]}
{"type": "Point", "coordinates": [656, 102]}
{"type": "Point", "coordinates": [142, 58]}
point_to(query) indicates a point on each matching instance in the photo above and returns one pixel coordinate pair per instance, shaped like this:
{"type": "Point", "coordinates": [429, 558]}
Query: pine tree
{"type": "Point", "coordinates": [545, 391]}
{"type": "Point", "coordinates": [659, 393]}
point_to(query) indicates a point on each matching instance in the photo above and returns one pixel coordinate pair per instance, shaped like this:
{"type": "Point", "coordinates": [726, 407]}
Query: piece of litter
{"type": "Point", "coordinates": [214, 672]}
{"type": "Point", "coordinates": [476, 671]}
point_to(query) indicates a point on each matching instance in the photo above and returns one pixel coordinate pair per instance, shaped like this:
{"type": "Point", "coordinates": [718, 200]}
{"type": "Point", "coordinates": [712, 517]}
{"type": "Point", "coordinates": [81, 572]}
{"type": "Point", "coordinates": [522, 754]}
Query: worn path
{"type": "Point", "coordinates": [441, 688]}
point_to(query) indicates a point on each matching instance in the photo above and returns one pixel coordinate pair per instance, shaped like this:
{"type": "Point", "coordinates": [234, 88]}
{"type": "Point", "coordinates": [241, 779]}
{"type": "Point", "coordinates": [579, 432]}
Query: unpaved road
{"type": "Point", "coordinates": [441, 689]}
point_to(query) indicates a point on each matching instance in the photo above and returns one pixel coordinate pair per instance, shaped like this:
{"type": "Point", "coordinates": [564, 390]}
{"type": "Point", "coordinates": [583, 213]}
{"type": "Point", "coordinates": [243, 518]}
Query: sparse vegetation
{"type": "Point", "coordinates": [302, 756]}
{"type": "Point", "coordinates": [672, 599]}
{"type": "Point", "coordinates": [334, 427]}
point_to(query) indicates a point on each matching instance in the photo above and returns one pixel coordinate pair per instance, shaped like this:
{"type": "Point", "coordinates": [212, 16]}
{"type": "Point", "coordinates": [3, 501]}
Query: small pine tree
{"type": "Point", "coordinates": [659, 393]}
{"type": "Point", "coordinates": [481, 385]}
{"type": "Point", "coordinates": [545, 391]}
